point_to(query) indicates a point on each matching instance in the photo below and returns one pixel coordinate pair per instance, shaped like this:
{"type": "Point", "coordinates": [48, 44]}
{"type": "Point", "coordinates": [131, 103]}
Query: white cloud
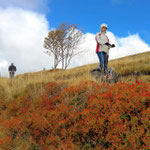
{"type": "Point", "coordinates": [21, 40]}
{"type": "Point", "coordinates": [88, 55]}
{"type": "Point", "coordinates": [3, 64]}
{"type": "Point", "coordinates": [36, 5]}
{"type": "Point", "coordinates": [132, 44]}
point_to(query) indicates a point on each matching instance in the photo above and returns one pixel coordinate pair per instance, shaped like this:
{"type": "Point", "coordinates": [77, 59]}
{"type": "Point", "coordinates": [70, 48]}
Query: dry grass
{"type": "Point", "coordinates": [134, 63]}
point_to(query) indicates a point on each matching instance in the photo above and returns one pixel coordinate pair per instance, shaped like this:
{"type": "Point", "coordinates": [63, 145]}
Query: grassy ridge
{"type": "Point", "coordinates": [138, 63]}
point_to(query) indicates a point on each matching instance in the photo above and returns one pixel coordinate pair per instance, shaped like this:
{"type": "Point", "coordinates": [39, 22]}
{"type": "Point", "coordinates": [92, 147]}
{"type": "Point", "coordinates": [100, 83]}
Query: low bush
{"type": "Point", "coordinates": [87, 116]}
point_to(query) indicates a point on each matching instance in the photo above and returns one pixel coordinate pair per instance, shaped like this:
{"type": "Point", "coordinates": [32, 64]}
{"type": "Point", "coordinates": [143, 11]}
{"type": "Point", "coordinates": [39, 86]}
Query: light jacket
{"type": "Point", "coordinates": [101, 39]}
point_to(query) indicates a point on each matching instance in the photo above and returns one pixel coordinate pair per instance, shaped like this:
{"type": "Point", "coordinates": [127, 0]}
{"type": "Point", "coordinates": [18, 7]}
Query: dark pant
{"type": "Point", "coordinates": [103, 60]}
{"type": "Point", "coordinates": [11, 74]}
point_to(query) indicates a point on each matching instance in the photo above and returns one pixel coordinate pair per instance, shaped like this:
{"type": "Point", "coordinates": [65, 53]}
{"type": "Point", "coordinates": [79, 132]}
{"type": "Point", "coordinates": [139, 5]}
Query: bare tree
{"type": "Point", "coordinates": [70, 39]}
{"type": "Point", "coordinates": [51, 43]}
{"type": "Point", "coordinates": [63, 43]}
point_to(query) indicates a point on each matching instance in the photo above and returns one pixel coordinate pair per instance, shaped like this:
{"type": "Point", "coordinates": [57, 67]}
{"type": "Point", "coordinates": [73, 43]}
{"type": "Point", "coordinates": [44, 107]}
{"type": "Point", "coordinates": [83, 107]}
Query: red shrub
{"type": "Point", "coordinates": [85, 116]}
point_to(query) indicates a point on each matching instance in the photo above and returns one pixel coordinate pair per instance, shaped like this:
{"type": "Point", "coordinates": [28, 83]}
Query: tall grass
{"type": "Point", "coordinates": [125, 65]}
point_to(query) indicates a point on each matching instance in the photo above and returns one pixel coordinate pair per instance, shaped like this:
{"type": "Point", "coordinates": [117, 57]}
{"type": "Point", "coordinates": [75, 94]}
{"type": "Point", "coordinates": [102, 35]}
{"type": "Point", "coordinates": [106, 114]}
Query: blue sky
{"type": "Point", "coordinates": [25, 23]}
{"type": "Point", "coordinates": [122, 16]}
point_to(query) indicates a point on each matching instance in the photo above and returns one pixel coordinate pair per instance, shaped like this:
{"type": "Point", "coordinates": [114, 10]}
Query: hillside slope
{"type": "Point", "coordinates": [128, 68]}
{"type": "Point", "coordinates": [64, 109]}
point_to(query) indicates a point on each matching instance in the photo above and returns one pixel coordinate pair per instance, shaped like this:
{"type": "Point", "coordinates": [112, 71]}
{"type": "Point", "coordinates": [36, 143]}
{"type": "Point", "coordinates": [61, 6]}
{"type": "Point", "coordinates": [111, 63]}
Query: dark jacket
{"type": "Point", "coordinates": [12, 68]}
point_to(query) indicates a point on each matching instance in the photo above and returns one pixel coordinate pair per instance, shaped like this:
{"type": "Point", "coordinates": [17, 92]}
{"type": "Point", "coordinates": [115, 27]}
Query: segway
{"type": "Point", "coordinates": [97, 74]}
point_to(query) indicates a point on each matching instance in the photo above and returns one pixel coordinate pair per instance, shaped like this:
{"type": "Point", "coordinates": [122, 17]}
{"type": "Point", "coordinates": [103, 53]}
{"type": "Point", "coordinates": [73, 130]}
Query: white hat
{"type": "Point", "coordinates": [104, 25]}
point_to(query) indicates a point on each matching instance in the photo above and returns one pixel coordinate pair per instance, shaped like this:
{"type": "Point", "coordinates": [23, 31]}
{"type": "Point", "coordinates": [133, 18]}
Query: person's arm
{"type": "Point", "coordinates": [100, 40]}
{"type": "Point", "coordinates": [9, 68]}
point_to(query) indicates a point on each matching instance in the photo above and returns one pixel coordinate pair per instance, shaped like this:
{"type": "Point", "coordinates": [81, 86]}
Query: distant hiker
{"type": "Point", "coordinates": [12, 70]}
{"type": "Point", "coordinates": [102, 48]}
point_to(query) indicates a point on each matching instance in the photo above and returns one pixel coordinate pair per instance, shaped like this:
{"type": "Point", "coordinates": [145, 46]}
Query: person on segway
{"type": "Point", "coordinates": [102, 48]}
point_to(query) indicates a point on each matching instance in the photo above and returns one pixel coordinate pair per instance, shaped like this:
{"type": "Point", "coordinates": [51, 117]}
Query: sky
{"type": "Point", "coordinates": [24, 25]}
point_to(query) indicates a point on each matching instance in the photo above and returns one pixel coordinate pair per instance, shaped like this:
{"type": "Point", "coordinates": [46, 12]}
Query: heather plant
{"type": "Point", "coordinates": [53, 115]}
